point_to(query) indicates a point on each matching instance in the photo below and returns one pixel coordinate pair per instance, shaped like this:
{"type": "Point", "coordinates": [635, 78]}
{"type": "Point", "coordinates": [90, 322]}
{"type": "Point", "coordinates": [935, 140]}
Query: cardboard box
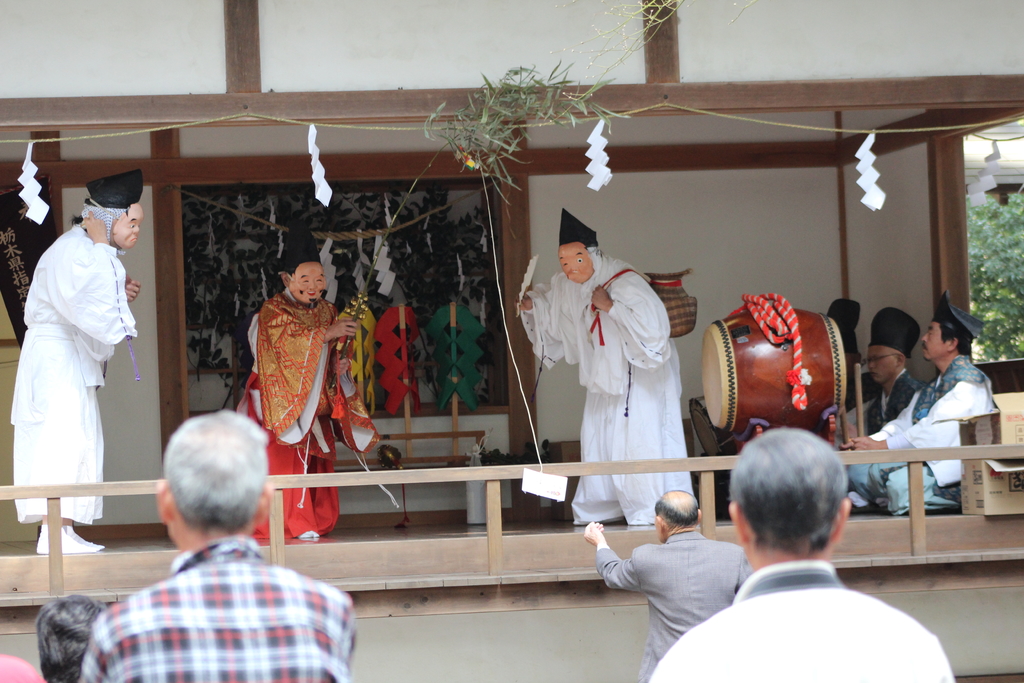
{"type": "Point", "coordinates": [992, 487]}
{"type": "Point", "coordinates": [1004, 426]}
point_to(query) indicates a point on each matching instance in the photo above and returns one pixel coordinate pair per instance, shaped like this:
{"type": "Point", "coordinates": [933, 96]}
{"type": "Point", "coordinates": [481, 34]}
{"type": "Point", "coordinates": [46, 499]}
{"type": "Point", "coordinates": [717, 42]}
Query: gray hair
{"type": "Point", "coordinates": [789, 484]}
{"type": "Point", "coordinates": [678, 509]}
{"type": "Point", "coordinates": [63, 628]}
{"type": "Point", "coordinates": [216, 466]}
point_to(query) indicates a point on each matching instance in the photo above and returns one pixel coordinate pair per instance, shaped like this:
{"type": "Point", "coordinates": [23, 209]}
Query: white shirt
{"type": "Point", "coordinates": [939, 428]}
{"type": "Point", "coordinates": [831, 635]}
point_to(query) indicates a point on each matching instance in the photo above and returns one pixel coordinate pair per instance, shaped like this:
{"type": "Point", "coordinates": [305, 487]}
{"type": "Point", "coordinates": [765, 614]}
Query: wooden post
{"type": "Point", "coordinates": [277, 529]}
{"type": "Point", "coordinates": [407, 401]}
{"type": "Point", "coordinates": [242, 45]}
{"type": "Point", "coordinates": [948, 208]}
{"type": "Point", "coordinates": [56, 565]}
{"type": "Point", "coordinates": [844, 258]}
{"type": "Point", "coordinates": [495, 550]}
{"type": "Point", "coordinates": [858, 386]}
{"type": "Point", "coordinates": [661, 46]}
{"type": "Point", "coordinates": [168, 244]}
{"type": "Point", "coordinates": [707, 505]}
{"type": "Point", "coordinates": [915, 488]}
{"type": "Point", "coordinates": [455, 380]}
{"type": "Point", "coordinates": [513, 257]}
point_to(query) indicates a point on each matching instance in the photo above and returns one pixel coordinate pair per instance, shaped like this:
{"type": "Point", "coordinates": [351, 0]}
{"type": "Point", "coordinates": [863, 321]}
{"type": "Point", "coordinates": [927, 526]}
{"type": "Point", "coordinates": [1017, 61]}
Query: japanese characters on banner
{"type": "Point", "coordinates": [22, 242]}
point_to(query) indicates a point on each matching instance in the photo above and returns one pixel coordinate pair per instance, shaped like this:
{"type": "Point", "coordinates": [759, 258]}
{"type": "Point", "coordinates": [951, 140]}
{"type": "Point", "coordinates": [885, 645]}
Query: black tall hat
{"type": "Point", "coordinates": [117, 191]}
{"type": "Point", "coordinates": [963, 322]}
{"type": "Point", "coordinates": [846, 313]}
{"type": "Point", "coordinates": [299, 246]}
{"type": "Point", "coordinates": [574, 230]}
{"type": "Point", "coordinates": [896, 329]}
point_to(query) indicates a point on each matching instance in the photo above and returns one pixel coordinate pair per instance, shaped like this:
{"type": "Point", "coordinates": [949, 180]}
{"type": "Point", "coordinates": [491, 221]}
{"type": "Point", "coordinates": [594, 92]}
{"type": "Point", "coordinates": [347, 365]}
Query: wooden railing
{"type": "Point", "coordinates": [494, 475]}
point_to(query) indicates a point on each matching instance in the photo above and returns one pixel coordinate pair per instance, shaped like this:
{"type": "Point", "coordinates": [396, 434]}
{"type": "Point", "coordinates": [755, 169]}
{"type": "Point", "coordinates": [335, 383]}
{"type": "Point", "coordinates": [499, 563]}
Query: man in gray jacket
{"type": "Point", "coordinates": [686, 578]}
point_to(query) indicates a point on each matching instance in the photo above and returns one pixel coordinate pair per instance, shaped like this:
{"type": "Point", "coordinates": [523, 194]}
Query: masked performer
{"type": "Point", "coordinates": [76, 312]}
{"type": "Point", "coordinates": [294, 385]}
{"type": "Point", "coordinates": [602, 315]}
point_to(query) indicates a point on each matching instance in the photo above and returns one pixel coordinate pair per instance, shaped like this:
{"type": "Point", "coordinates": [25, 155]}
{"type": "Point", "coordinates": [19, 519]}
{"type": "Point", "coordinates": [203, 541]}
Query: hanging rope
{"type": "Point", "coordinates": [779, 323]}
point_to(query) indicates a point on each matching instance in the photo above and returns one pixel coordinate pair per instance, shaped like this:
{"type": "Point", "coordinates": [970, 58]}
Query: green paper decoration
{"type": "Point", "coordinates": [457, 353]}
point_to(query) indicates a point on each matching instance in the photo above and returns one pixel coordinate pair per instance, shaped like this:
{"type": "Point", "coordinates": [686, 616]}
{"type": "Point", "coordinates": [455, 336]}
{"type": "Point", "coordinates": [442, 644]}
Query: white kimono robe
{"type": "Point", "coordinates": [963, 400]}
{"type": "Point", "coordinates": [636, 368]}
{"type": "Point", "coordinates": [76, 311]}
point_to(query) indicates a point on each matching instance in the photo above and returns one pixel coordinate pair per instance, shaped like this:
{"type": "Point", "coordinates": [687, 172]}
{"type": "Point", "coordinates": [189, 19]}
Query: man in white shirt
{"type": "Point", "coordinates": [960, 390]}
{"type": "Point", "coordinates": [793, 620]}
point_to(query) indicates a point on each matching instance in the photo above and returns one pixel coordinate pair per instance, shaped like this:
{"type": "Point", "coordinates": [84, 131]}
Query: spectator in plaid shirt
{"type": "Point", "coordinates": [224, 614]}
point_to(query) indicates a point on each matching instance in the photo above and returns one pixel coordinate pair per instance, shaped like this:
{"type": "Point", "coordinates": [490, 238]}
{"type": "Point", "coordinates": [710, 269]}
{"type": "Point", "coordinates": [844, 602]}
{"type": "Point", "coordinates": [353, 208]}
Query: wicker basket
{"type": "Point", "coordinates": [681, 307]}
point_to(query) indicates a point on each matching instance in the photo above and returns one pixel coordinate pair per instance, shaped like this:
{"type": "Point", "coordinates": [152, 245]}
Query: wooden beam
{"type": "Point", "coordinates": [401, 165]}
{"type": "Point", "coordinates": [947, 199]}
{"type": "Point", "coordinates": [661, 49]}
{"type": "Point", "coordinates": [242, 45]}
{"type": "Point", "coordinates": [513, 254]}
{"type": "Point", "coordinates": [169, 286]}
{"type": "Point", "coordinates": [934, 92]}
{"type": "Point", "coordinates": [976, 119]}
{"type": "Point", "coordinates": [707, 504]}
{"type": "Point", "coordinates": [495, 549]}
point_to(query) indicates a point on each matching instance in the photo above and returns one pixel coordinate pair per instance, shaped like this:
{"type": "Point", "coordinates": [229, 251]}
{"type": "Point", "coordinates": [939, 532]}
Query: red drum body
{"type": "Point", "coordinates": [744, 374]}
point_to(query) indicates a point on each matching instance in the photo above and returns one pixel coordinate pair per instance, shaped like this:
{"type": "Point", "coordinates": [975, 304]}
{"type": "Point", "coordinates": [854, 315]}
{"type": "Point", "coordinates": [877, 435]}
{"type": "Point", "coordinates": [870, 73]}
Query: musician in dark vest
{"type": "Point", "coordinates": [929, 420]}
{"type": "Point", "coordinates": [894, 334]}
{"type": "Point", "coordinates": [793, 619]}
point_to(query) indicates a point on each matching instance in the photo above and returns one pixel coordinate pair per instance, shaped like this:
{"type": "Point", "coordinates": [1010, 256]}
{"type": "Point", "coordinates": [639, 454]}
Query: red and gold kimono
{"type": "Point", "coordinates": [291, 393]}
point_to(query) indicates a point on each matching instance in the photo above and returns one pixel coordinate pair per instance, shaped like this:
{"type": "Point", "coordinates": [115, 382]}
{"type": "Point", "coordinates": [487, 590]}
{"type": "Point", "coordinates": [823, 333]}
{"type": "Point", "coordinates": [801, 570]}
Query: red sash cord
{"type": "Point", "coordinates": [597, 313]}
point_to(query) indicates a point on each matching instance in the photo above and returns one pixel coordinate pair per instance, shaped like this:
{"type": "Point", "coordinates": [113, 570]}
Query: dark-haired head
{"type": "Point", "coordinates": [63, 628]}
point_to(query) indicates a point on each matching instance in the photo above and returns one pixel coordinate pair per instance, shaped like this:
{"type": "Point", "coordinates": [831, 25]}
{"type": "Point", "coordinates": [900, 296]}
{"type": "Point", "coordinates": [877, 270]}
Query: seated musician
{"type": "Point", "coordinates": [960, 390]}
{"type": "Point", "coordinates": [893, 337]}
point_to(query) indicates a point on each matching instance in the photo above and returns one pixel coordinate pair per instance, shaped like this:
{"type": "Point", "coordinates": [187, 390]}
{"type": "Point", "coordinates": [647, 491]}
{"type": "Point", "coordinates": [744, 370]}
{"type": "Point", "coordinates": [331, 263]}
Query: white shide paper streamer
{"type": "Point", "coordinates": [873, 196]}
{"type": "Point", "coordinates": [323, 190]}
{"type": "Point", "coordinates": [330, 272]}
{"type": "Point", "coordinates": [986, 178]}
{"type": "Point", "coordinates": [385, 276]}
{"type": "Point", "coordinates": [37, 208]}
{"type": "Point", "coordinates": [598, 168]}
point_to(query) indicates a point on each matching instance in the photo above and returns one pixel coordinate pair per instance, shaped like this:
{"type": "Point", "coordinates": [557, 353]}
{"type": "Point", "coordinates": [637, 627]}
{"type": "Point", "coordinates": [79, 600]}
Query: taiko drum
{"type": "Point", "coordinates": [744, 374]}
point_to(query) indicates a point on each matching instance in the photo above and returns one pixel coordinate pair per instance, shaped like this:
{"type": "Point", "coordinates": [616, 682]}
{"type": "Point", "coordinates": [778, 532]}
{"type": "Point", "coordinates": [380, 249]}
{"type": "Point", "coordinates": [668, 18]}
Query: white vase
{"type": "Point", "coordinates": [476, 502]}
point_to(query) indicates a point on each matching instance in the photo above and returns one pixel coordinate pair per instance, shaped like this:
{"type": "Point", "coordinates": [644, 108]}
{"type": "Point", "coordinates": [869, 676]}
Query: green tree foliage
{"type": "Point", "coordinates": [996, 249]}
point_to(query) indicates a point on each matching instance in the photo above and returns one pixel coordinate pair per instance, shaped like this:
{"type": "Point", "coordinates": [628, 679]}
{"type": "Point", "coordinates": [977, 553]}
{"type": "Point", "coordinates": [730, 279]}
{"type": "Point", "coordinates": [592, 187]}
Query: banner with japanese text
{"type": "Point", "coordinates": [22, 242]}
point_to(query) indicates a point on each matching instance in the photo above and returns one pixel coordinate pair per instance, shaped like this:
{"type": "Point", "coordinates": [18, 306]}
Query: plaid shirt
{"type": "Point", "coordinates": [225, 615]}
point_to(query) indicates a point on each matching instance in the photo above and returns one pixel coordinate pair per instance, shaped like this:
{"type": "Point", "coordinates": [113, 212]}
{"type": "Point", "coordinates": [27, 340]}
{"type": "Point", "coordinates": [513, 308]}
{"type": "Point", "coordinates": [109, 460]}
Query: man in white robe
{"type": "Point", "coordinates": [929, 421]}
{"type": "Point", "coordinates": [603, 316]}
{"type": "Point", "coordinates": [76, 312]}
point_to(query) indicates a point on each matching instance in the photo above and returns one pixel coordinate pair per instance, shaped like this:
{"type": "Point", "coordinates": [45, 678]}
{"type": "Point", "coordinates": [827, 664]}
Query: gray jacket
{"type": "Point", "coordinates": [687, 580]}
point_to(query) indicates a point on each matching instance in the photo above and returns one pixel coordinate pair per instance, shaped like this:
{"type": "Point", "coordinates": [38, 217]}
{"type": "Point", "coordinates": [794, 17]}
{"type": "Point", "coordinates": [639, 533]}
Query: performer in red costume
{"type": "Point", "coordinates": [294, 387]}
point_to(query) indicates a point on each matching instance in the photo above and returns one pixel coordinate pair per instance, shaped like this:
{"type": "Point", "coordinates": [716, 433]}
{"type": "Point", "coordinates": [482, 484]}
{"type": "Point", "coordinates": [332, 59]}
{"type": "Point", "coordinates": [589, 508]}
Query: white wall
{"type": "Point", "coordinates": [890, 249]}
{"type": "Point", "coordinates": [53, 48]}
{"type": "Point", "coordinates": [121, 47]}
{"type": "Point", "coordinates": [777, 40]}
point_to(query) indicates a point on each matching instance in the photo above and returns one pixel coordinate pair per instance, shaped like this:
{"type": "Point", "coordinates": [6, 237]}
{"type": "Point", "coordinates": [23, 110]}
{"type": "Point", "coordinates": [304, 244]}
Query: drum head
{"type": "Point", "coordinates": [718, 375]}
{"type": "Point", "coordinates": [838, 359]}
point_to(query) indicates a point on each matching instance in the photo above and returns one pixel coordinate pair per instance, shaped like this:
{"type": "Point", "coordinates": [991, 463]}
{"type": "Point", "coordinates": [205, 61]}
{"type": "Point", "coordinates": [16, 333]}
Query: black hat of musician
{"type": "Point", "coordinates": [116, 191]}
{"type": "Point", "coordinates": [574, 230]}
{"type": "Point", "coordinates": [960, 321]}
{"type": "Point", "coordinates": [896, 329]}
{"type": "Point", "coordinates": [846, 313]}
{"type": "Point", "coordinates": [299, 246]}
